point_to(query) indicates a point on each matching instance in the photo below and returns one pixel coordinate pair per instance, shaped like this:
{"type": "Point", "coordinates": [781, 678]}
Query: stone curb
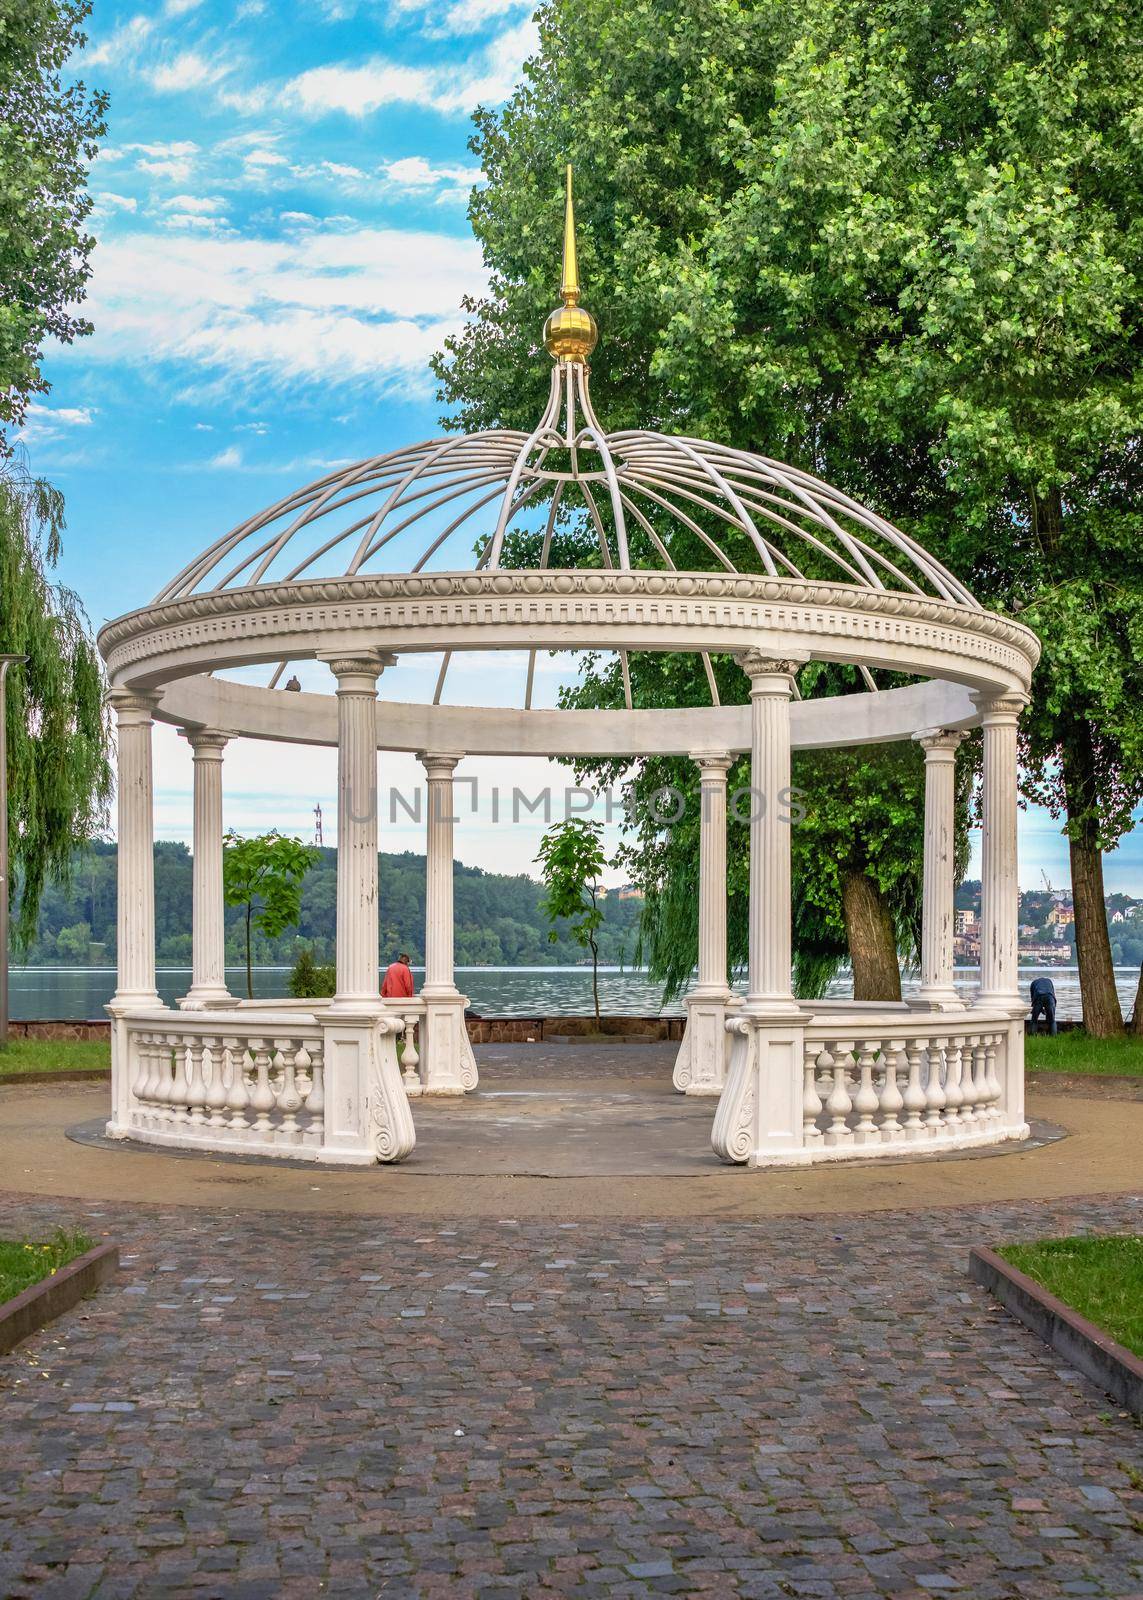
{"type": "Point", "coordinates": [69, 1075]}
{"type": "Point", "coordinates": [43, 1302]}
{"type": "Point", "coordinates": [1084, 1346]}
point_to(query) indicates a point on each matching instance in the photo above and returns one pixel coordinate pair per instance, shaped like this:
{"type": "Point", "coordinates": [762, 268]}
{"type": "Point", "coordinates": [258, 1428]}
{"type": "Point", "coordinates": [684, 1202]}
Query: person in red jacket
{"type": "Point", "coordinates": [397, 984]}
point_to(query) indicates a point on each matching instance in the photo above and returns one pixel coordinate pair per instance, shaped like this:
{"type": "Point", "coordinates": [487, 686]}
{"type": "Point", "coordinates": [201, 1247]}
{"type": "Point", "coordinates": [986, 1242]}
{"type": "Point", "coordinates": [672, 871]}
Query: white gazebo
{"type": "Point", "coordinates": [700, 548]}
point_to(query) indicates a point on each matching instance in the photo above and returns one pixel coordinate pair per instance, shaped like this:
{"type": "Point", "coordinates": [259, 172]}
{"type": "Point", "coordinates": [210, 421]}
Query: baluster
{"type": "Point", "coordinates": [979, 1082]}
{"type": "Point", "coordinates": [992, 1080]}
{"type": "Point", "coordinates": [160, 1081]}
{"type": "Point", "coordinates": [196, 1086]}
{"type": "Point", "coordinates": [811, 1099]}
{"type": "Point", "coordinates": [410, 1056]}
{"type": "Point", "coordinates": [839, 1105]}
{"type": "Point", "coordinates": [237, 1096]}
{"type": "Point", "coordinates": [934, 1091]}
{"type": "Point", "coordinates": [892, 1100]}
{"type": "Point", "coordinates": [954, 1094]}
{"type": "Point", "coordinates": [866, 1102]}
{"type": "Point", "coordinates": [140, 1064]}
{"type": "Point", "coordinates": [212, 1065]}
{"type": "Point", "coordinates": [177, 1083]}
{"type": "Point", "coordinates": [289, 1100]}
{"type": "Point", "coordinates": [914, 1096]}
{"type": "Point", "coordinates": [263, 1100]}
{"type": "Point", "coordinates": [315, 1100]}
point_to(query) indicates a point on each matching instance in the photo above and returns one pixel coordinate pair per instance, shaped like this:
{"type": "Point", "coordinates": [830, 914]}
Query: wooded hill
{"type": "Point", "coordinates": [498, 918]}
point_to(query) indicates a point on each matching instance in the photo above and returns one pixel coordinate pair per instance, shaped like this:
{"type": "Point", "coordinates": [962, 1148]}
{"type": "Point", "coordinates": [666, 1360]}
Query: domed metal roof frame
{"type": "Point", "coordinates": [824, 577]}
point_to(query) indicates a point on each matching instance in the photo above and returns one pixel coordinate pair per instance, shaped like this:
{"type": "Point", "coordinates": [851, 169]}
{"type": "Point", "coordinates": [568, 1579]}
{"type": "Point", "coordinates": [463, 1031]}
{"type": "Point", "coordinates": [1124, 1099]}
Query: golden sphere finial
{"type": "Point", "coordinates": [570, 333]}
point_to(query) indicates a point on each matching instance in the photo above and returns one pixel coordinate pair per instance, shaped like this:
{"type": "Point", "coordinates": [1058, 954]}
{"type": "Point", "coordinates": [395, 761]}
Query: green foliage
{"type": "Point", "coordinates": [23, 1263]}
{"type": "Point", "coordinates": [308, 979]}
{"type": "Point", "coordinates": [48, 135]}
{"type": "Point", "coordinates": [896, 243]}
{"type": "Point", "coordinates": [263, 874]}
{"type": "Point", "coordinates": [58, 731]}
{"type": "Point", "coordinates": [1102, 1279]}
{"type": "Point", "coordinates": [571, 859]}
{"type": "Point", "coordinates": [1075, 1051]}
{"type": "Point", "coordinates": [24, 1056]}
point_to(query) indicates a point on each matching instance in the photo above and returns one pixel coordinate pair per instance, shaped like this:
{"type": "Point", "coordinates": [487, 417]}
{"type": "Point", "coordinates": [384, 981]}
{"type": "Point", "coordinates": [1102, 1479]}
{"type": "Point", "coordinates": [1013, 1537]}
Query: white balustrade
{"type": "Point", "coordinates": [908, 1087]}
{"type": "Point", "coordinates": [228, 1082]}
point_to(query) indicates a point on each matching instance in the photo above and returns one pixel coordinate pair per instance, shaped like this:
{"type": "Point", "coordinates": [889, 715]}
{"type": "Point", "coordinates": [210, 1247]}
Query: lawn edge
{"type": "Point", "coordinates": [34, 1307]}
{"type": "Point", "coordinates": [64, 1075]}
{"type": "Point", "coordinates": [1082, 1344]}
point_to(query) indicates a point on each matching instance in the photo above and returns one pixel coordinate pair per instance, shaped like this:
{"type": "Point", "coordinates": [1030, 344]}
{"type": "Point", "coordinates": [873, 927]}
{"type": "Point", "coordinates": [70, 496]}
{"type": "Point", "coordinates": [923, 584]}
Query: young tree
{"type": "Point", "coordinates": [896, 243]}
{"type": "Point", "coordinates": [264, 875]}
{"type": "Point", "coordinates": [571, 858]}
{"type": "Point", "coordinates": [59, 774]}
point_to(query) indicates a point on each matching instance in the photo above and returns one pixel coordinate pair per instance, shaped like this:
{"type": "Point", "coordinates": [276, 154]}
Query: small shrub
{"type": "Point", "coordinates": [309, 981]}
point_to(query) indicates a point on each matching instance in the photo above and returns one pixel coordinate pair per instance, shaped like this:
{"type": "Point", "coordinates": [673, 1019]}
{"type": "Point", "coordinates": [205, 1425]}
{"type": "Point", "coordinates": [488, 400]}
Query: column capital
{"type": "Point", "coordinates": [207, 743]}
{"type": "Point", "coordinates": [758, 666]}
{"type": "Point", "coordinates": [133, 705]}
{"type": "Point", "coordinates": [712, 763]}
{"type": "Point", "coordinates": [999, 707]}
{"type": "Point", "coordinates": [357, 673]}
{"type": "Point", "coordinates": [439, 764]}
{"type": "Point", "coordinates": [939, 743]}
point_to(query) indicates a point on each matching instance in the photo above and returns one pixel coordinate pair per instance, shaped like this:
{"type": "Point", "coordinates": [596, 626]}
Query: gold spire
{"type": "Point", "coordinates": [570, 333]}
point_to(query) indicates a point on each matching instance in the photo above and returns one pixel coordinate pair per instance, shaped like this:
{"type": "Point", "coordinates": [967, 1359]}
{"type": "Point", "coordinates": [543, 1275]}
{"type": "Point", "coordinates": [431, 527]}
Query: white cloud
{"type": "Point", "coordinates": [179, 8]}
{"type": "Point", "coordinates": [414, 172]}
{"type": "Point", "coordinates": [187, 70]}
{"type": "Point", "coordinates": [47, 423]}
{"type": "Point", "coordinates": [227, 459]}
{"type": "Point", "coordinates": [490, 76]}
{"type": "Point", "coordinates": [354, 307]}
{"type": "Point", "coordinates": [121, 44]}
{"type": "Point", "coordinates": [109, 201]}
{"type": "Point", "coordinates": [199, 203]}
{"type": "Point", "coordinates": [468, 16]}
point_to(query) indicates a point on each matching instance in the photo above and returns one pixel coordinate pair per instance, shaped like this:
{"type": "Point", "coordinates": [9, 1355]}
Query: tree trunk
{"type": "Point", "coordinates": [249, 968]}
{"type": "Point", "coordinates": [872, 938]}
{"type": "Point", "coordinates": [595, 981]}
{"type": "Point", "coordinates": [1102, 1013]}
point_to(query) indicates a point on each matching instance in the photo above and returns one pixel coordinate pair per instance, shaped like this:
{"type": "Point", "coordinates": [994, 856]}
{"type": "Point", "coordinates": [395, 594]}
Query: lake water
{"type": "Point", "coordinates": [77, 993]}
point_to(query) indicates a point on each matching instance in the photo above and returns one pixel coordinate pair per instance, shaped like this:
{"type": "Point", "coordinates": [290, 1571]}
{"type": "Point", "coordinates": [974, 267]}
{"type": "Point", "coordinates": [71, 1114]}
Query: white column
{"type": "Point", "coordinates": [357, 980]}
{"type": "Point", "coordinates": [700, 1067]}
{"type": "Point", "coordinates": [367, 1115]}
{"type": "Point", "coordinates": [760, 1113]}
{"type": "Point", "coordinates": [136, 851]}
{"type": "Point", "coordinates": [1000, 885]}
{"type": "Point", "coordinates": [771, 682]}
{"type": "Point", "coordinates": [447, 1065]}
{"type": "Point", "coordinates": [438, 873]}
{"type": "Point", "coordinates": [938, 992]}
{"type": "Point", "coordinates": [208, 920]}
{"type": "Point", "coordinates": [135, 985]}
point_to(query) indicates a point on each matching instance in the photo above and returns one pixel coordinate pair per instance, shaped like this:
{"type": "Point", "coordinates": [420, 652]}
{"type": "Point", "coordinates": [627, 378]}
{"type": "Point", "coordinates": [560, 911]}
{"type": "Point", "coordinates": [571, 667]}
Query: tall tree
{"type": "Point", "coordinates": [49, 133]}
{"type": "Point", "coordinates": [571, 858]}
{"type": "Point", "coordinates": [58, 734]}
{"type": "Point", "coordinates": [896, 242]}
{"type": "Point", "coordinates": [263, 876]}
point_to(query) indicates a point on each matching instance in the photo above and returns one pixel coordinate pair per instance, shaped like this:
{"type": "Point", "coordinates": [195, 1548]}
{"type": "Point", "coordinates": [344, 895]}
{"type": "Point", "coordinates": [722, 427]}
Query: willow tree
{"type": "Point", "coordinates": [58, 734]}
{"type": "Point", "coordinates": [895, 242]}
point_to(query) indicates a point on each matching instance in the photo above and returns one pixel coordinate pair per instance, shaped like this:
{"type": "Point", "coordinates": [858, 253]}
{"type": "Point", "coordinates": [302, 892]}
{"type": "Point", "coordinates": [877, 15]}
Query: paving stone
{"type": "Point", "coordinates": [345, 1423]}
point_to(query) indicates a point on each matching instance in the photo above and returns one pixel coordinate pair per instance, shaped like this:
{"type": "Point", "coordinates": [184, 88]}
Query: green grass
{"type": "Point", "coordinates": [52, 1055]}
{"type": "Point", "coordinates": [1102, 1279]}
{"type": "Point", "coordinates": [1075, 1052]}
{"type": "Point", "coordinates": [23, 1263]}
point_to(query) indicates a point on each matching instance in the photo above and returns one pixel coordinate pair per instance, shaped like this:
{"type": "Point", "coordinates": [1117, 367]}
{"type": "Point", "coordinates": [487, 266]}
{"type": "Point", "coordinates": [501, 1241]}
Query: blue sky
{"type": "Point", "coordinates": [280, 210]}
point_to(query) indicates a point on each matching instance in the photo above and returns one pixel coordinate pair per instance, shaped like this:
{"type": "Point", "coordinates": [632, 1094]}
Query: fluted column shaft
{"type": "Point", "coordinates": [439, 977]}
{"type": "Point", "coordinates": [940, 747]}
{"type": "Point", "coordinates": [771, 684]}
{"type": "Point", "coordinates": [208, 915]}
{"type": "Point", "coordinates": [712, 976]}
{"type": "Point", "coordinates": [357, 676]}
{"type": "Point", "coordinates": [1000, 887]}
{"type": "Point", "coordinates": [136, 849]}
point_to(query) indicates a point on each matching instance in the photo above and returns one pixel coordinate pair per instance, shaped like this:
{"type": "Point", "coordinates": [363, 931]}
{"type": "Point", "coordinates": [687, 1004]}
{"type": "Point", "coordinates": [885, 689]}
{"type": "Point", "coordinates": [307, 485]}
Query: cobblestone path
{"type": "Point", "coordinates": [279, 1406]}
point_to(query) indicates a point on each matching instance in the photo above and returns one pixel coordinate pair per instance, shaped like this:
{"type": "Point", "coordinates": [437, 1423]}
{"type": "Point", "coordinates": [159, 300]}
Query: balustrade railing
{"type": "Point", "coordinates": [919, 1084]}
{"type": "Point", "coordinates": [228, 1082]}
{"type": "Point", "coordinates": [412, 1013]}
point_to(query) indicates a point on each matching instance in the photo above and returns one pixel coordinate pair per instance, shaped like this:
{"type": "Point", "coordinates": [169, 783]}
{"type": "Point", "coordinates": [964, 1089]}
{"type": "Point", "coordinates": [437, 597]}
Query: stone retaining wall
{"type": "Point", "coordinates": [481, 1030]}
